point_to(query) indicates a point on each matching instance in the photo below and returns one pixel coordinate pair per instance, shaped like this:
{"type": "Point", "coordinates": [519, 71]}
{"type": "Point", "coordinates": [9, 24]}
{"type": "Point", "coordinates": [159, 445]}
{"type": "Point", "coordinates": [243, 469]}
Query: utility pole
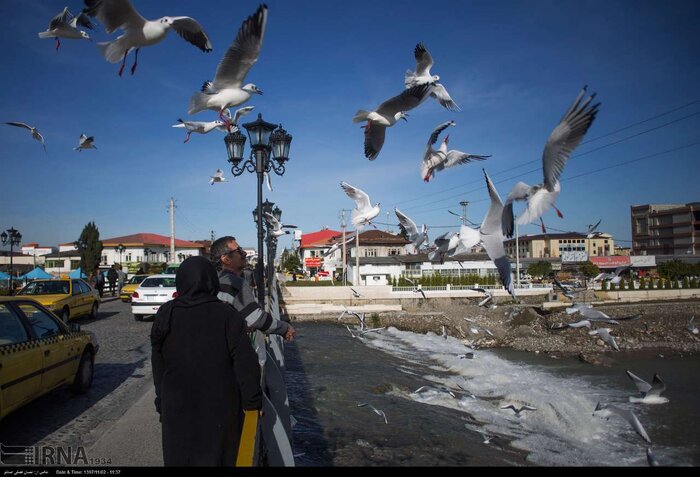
{"type": "Point", "coordinates": [212, 236]}
{"type": "Point", "coordinates": [171, 208]}
{"type": "Point", "coordinates": [464, 205]}
{"type": "Point", "coordinates": [345, 265]}
{"type": "Point", "coordinates": [387, 222]}
{"type": "Point", "coordinates": [357, 257]}
{"type": "Point", "coordinates": [517, 257]}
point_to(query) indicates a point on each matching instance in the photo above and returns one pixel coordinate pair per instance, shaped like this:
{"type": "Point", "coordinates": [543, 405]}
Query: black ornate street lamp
{"type": "Point", "coordinates": [146, 252]}
{"type": "Point", "coordinates": [13, 237]}
{"type": "Point", "coordinates": [266, 139]}
{"type": "Point", "coordinates": [181, 256]}
{"type": "Point", "coordinates": [119, 249]}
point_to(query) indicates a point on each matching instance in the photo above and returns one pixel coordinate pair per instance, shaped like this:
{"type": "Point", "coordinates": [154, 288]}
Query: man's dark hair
{"type": "Point", "coordinates": [218, 248]}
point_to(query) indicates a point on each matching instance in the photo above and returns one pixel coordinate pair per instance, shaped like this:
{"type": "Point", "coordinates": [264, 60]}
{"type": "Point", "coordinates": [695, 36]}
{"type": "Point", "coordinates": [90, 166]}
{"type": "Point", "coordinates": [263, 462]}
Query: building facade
{"type": "Point", "coordinates": [554, 245]}
{"type": "Point", "coordinates": [665, 229]}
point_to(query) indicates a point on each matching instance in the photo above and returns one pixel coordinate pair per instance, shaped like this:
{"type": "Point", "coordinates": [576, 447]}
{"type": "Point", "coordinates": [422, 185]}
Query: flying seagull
{"type": "Point", "coordinates": [277, 227]}
{"type": "Point", "coordinates": [85, 142]}
{"type": "Point", "coordinates": [65, 25]}
{"type": "Point", "coordinates": [491, 236]}
{"type": "Point", "coordinates": [355, 293]}
{"type": "Point", "coordinates": [629, 416]}
{"type": "Point", "coordinates": [438, 160]}
{"type": "Point", "coordinates": [691, 326]}
{"type": "Point", "coordinates": [489, 298]}
{"type": "Point", "coordinates": [337, 245]}
{"type": "Point", "coordinates": [518, 410]}
{"type": "Point", "coordinates": [605, 335]}
{"type": "Point", "coordinates": [199, 127]}
{"type": "Point", "coordinates": [376, 411]}
{"type": "Point", "coordinates": [561, 143]}
{"type": "Point", "coordinates": [217, 177]}
{"type": "Point", "coordinates": [35, 132]}
{"type": "Point", "coordinates": [363, 213]}
{"type": "Point", "coordinates": [386, 115]}
{"type": "Point", "coordinates": [424, 61]}
{"type": "Point", "coordinates": [648, 393]}
{"type": "Point", "coordinates": [139, 32]}
{"type": "Point", "coordinates": [416, 289]}
{"type": "Point", "coordinates": [592, 229]}
{"type": "Point", "coordinates": [416, 237]}
{"type": "Point", "coordinates": [227, 89]}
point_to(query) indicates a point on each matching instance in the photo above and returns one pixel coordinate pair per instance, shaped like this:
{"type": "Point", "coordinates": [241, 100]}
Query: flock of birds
{"type": "Point", "coordinates": [225, 91]}
{"type": "Point", "coordinates": [498, 224]}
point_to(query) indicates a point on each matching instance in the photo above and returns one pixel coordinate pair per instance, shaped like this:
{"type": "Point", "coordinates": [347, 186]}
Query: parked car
{"type": "Point", "coordinates": [39, 353]}
{"type": "Point", "coordinates": [67, 297]}
{"type": "Point", "coordinates": [153, 292]}
{"type": "Point", "coordinates": [131, 285]}
{"type": "Point", "coordinates": [172, 268]}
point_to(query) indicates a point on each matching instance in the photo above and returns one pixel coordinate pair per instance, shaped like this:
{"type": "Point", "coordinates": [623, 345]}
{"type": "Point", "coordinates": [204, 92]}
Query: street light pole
{"type": "Point", "coordinates": [13, 237]}
{"type": "Point", "coordinates": [263, 142]}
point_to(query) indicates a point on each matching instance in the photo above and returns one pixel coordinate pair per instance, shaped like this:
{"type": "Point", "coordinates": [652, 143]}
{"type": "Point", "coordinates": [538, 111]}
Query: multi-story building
{"type": "Point", "coordinates": [665, 229]}
{"type": "Point", "coordinates": [554, 245]}
{"type": "Point", "coordinates": [37, 251]}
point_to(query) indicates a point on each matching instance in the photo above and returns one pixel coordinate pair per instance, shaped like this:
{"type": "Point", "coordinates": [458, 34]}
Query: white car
{"type": "Point", "coordinates": [153, 292]}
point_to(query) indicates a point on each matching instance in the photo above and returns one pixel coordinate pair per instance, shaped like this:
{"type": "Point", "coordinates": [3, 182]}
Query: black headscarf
{"type": "Point", "coordinates": [197, 283]}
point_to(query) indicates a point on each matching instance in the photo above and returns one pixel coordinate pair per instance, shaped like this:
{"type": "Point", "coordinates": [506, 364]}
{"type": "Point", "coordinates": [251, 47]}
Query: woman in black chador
{"type": "Point", "coordinates": [204, 369]}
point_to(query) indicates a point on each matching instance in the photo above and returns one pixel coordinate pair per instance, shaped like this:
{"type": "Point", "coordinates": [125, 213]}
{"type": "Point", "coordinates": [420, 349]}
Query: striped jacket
{"type": "Point", "coordinates": [236, 291]}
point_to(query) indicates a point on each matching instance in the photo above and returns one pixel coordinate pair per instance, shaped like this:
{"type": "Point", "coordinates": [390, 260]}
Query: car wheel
{"type": "Point", "coordinates": [138, 317]}
{"type": "Point", "coordinates": [93, 312]}
{"type": "Point", "coordinates": [65, 314]}
{"type": "Point", "coordinates": [83, 378]}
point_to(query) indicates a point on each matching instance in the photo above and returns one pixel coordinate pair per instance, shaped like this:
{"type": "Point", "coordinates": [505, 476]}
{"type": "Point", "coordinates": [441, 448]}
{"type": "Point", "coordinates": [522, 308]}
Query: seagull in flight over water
{"type": "Point", "coordinates": [364, 212]}
{"type": "Point", "coordinates": [139, 32]}
{"type": "Point", "coordinates": [376, 411]}
{"type": "Point", "coordinates": [648, 393]}
{"type": "Point", "coordinates": [518, 410]}
{"type": "Point", "coordinates": [561, 143]}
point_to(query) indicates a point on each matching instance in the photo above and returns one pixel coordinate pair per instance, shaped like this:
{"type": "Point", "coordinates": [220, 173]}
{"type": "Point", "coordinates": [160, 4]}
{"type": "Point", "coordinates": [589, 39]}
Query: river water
{"type": "Point", "coordinates": [329, 373]}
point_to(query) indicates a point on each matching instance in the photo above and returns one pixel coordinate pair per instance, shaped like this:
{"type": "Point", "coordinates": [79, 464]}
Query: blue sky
{"type": "Point", "coordinates": [513, 67]}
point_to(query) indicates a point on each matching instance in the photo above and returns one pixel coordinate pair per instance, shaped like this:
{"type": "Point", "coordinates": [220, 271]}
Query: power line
{"type": "Point", "coordinates": [510, 169]}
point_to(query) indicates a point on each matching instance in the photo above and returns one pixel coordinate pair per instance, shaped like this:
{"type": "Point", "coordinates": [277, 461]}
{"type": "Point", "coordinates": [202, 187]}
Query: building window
{"type": "Point", "coordinates": [370, 252]}
{"type": "Point", "coordinates": [54, 263]}
{"type": "Point", "coordinates": [74, 264]}
{"type": "Point", "coordinates": [128, 257]}
{"type": "Point", "coordinates": [394, 251]}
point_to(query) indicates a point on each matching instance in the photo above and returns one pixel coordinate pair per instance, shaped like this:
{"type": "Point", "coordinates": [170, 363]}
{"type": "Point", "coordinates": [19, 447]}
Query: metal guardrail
{"type": "Point", "coordinates": [468, 287]}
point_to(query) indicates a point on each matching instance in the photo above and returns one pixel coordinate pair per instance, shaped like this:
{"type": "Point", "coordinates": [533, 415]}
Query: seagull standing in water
{"type": "Point", "coordinates": [35, 132]}
{"type": "Point", "coordinates": [424, 61]}
{"type": "Point", "coordinates": [85, 142]}
{"type": "Point", "coordinates": [364, 212]}
{"type": "Point", "coordinates": [227, 89]}
{"type": "Point", "coordinates": [139, 32]}
{"type": "Point", "coordinates": [440, 159]}
{"type": "Point", "coordinates": [386, 115]}
{"type": "Point", "coordinates": [648, 393]}
{"type": "Point", "coordinates": [561, 143]}
{"type": "Point", "coordinates": [65, 25]}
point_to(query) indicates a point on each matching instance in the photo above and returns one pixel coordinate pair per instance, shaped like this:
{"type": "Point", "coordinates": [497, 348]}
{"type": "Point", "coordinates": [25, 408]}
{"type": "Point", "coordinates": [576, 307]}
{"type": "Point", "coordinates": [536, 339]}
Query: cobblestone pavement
{"type": "Point", "coordinates": [122, 376]}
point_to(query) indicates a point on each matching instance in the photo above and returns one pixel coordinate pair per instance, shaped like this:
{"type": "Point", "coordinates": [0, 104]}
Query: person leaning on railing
{"type": "Point", "coordinates": [229, 259]}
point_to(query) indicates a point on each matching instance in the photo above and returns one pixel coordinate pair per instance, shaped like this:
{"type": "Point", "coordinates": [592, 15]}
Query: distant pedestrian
{"type": "Point", "coordinates": [229, 259]}
{"type": "Point", "coordinates": [204, 370]}
{"type": "Point", "coordinates": [99, 281]}
{"type": "Point", "coordinates": [112, 277]}
{"type": "Point", "coordinates": [121, 279]}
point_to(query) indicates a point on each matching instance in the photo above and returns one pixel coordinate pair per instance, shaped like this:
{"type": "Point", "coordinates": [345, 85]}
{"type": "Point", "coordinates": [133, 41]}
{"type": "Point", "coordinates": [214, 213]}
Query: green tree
{"type": "Point", "coordinates": [604, 285]}
{"type": "Point", "coordinates": [589, 270]}
{"type": "Point", "coordinates": [90, 248]}
{"type": "Point", "coordinates": [642, 283]}
{"type": "Point", "coordinates": [540, 269]}
{"type": "Point", "coordinates": [290, 261]}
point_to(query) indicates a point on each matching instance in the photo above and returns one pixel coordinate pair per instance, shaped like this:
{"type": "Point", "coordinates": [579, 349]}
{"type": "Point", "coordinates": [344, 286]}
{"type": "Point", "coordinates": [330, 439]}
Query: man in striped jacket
{"type": "Point", "coordinates": [229, 259]}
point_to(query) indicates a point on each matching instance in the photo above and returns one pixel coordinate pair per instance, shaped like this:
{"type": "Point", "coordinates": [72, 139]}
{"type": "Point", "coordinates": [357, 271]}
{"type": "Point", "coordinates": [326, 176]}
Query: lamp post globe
{"type": "Point", "coordinates": [13, 237]}
{"type": "Point", "coordinates": [269, 146]}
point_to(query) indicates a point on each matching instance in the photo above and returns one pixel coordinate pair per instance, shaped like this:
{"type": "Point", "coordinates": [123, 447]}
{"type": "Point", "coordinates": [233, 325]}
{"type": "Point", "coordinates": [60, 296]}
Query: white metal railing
{"type": "Point", "coordinates": [542, 286]}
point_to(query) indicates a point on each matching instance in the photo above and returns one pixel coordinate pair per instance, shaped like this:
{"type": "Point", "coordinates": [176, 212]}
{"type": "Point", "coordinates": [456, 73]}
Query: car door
{"type": "Point", "coordinates": [21, 360]}
{"type": "Point", "coordinates": [59, 352]}
{"type": "Point", "coordinates": [78, 298]}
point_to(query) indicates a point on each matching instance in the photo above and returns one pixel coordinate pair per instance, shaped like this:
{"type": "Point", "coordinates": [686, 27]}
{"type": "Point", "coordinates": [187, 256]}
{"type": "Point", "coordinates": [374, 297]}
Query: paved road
{"type": "Point", "coordinates": [122, 378]}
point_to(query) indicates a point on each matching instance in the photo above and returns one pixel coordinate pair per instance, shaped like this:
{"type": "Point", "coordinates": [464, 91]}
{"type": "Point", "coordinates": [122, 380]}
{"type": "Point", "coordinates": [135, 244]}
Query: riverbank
{"type": "Point", "coordinates": [660, 327]}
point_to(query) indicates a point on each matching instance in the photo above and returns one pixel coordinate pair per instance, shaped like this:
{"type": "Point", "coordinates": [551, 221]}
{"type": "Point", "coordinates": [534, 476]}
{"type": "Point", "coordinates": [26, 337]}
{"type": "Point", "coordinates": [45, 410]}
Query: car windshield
{"type": "Point", "coordinates": [51, 287]}
{"type": "Point", "coordinates": [154, 282]}
{"type": "Point", "coordinates": [137, 279]}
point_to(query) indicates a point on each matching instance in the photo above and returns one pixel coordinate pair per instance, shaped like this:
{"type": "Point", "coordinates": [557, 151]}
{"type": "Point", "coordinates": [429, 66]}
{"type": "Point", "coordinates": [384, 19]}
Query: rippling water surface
{"type": "Point", "coordinates": [329, 373]}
